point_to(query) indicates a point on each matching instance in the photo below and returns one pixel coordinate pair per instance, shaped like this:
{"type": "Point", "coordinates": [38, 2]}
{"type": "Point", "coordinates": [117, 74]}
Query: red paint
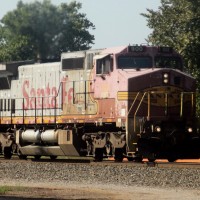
{"type": "Point", "coordinates": [35, 96]}
{"type": "Point", "coordinates": [48, 95]}
{"type": "Point", "coordinates": [66, 94]}
{"type": "Point", "coordinates": [25, 94]}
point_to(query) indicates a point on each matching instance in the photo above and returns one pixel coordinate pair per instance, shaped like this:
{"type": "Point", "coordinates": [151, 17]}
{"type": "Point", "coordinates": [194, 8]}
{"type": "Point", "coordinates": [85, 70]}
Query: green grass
{"type": "Point", "coordinates": [4, 189]}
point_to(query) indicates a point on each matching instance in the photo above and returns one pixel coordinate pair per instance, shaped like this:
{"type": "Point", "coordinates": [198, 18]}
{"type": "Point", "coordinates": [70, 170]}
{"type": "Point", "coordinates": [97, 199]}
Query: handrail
{"type": "Point", "coordinates": [133, 103]}
{"type": "Point", "coordinates": [134, 124]}
{"type": "Point", "coordinates": [166, 103]}
{"type": "Point", "coordinates": [181, 105]}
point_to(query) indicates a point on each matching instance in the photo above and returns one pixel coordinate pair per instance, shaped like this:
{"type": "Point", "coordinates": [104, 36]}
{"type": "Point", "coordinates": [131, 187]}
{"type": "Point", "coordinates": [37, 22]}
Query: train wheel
{"type": "Point", "coordinates": [108, 149]}
{"type": "Point", "coordinates": [37, 157]}
{"type": "Point", "coordinates": [171, 159]}
{"type": "Point", "coordinates": [98, 157]}
{"type": "Point", "coordinates": [130, 158]}
{"type": "Point", "coordinates": [22, 157]}
{"type": "Point", "coordinates": [7, 152]}
{"type": "Point", "coordinates": [119, 155]}
{"type": "Point", "coordinates": [53, 157]}
{"type": "Point", "coordinates": [138, 159]}
{"type": "Point", "coordinates": [151, 159]}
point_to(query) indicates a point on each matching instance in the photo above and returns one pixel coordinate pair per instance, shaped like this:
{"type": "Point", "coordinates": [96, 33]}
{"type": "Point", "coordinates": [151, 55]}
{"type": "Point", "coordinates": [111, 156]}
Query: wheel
{"type": "Point", "coordinates": [98, 157]}
{"type": "Point", "coordinates": [171, 159]}
{"type": "Point", "coordinates": [108, 150]}
{"type": "Point", "coordinates": [7, 152]}
{"type": "Point", "coordinates": [119, 155]}
{"type": "Point", "coordinates": [22, 157]}
{"type": "Point", "coordinates": [37, 157]}
{"type": "Point", "coordinates": [53, 157]}
{"type": "Point", "coordinates": [130, 158]}
{"type": "Point", "coordinates": [151, 159]}
{"type": "Point", "coordinates": [138, 159]}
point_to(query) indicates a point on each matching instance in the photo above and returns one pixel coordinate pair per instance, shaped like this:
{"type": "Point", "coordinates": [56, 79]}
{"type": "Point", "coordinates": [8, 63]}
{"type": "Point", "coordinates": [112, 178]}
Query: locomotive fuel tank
{"type": "Point", "coordinates": [47, 143]}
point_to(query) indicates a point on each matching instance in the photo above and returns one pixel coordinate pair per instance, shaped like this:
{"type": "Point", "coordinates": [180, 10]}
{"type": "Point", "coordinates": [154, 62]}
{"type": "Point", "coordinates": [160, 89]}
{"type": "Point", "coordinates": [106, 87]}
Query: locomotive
{"type": "Point", "coordinates": [130, 102]}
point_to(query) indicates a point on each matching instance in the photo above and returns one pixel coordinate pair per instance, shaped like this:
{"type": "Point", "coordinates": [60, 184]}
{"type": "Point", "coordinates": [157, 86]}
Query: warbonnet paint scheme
{"type": "Point", "coordinates": [129, 101]}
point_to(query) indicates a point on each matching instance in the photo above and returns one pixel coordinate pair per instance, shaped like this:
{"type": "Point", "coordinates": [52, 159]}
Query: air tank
{"type": "Point", "coordinates": [31, 136]}
{"type": "Point", "coordinates": [49, 136]}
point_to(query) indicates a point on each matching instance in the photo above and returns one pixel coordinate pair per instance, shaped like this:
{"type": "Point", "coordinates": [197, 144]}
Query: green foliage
{"type": "Point", "coordinates": [176, 23]}
{"type": "Point", "coordinates": [40, 30]}
{"type": "Point", "coordinates": [169, 24]}
{"type": "Point", "coordinates": [5, 189]}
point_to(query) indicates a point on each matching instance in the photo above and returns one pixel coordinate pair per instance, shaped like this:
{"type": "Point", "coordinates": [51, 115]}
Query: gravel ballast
{"type": "Point", "coordinates": [117, 174]}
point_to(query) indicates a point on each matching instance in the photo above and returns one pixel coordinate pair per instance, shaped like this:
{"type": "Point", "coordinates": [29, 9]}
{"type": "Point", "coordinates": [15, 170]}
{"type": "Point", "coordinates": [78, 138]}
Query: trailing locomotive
{"type": "Point", "coordinates": [130, 101]}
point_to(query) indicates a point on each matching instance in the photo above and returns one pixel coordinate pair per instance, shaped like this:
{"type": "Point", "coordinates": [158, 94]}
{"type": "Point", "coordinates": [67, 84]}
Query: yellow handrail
{"type": "Point", "coordinates": [138, 109]}
{"type": "Point", "coordinates": [133, 103]}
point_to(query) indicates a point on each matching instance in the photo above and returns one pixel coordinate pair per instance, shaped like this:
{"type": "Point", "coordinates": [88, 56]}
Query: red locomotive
{"type": "Point", "coordinates": [130, 101]}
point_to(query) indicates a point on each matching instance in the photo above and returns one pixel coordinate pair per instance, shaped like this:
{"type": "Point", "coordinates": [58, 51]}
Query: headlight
{"type": "Point", "coordinates": [165, 75]}
{"type": "Point", "coordinates": [165, 81]}
{"type": "Point", "coordinates": [189, 129]}
{"type": "Point", "coordinates": [166, 78]}
{"type": "Point", "coordinates": [158, 129]}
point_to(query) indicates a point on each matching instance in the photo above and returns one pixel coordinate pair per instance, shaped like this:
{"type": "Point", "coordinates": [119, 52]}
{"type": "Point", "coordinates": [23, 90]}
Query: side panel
{"type": "Point", "coordinates": [77, 94]}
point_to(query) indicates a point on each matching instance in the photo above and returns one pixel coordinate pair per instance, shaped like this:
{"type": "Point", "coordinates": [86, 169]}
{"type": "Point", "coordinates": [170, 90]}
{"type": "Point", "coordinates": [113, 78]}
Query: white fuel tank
{"type": "Point", "coordinates": [31, 136]}
{"type": "Point", "coordinates": [49, 136]}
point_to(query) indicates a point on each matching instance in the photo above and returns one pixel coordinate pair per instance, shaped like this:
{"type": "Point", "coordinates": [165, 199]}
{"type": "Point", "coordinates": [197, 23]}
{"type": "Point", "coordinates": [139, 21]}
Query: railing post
{"type": "Point", "coordinates": [192, 102]}
{"type": "Point", "coordinates": [35, 111]}
{"type": "Point", "coordinates": [166, 104]}
{"type": "Point", "coordinates": [149, 105]}
{"type": "Point", "coordinates": [23, 110]}
{"type": "Point", "coordinates": [55, 111]}
{"type": "Point", "coordinates": [137, 110]}
{"type": "Point", "coordinates": [85, 95]}
{"type": "Point", "coordinates": [42, 109]}
{"type": "Point", "coordinates": [181, 109]}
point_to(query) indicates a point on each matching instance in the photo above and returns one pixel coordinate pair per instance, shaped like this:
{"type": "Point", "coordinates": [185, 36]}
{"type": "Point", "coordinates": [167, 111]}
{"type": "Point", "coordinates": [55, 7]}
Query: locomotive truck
{"type": "Point", "coordinates": [129, 102]}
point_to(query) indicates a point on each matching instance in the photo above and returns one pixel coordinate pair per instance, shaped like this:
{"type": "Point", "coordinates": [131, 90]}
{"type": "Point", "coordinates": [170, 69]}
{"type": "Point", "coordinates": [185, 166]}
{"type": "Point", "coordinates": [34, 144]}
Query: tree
{"type": "Point", "coordinates": [43, 31]}
{"type": "Point", "coordinates": [169, 24]}
{"type": "Point", "coordinates": [176, 23]}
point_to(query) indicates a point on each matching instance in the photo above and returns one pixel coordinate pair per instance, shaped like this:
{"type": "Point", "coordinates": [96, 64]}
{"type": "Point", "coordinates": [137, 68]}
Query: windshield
{"type": "Point", "coordinates": [168, 62]}
{"type": "Point", "coordinates": [130, 62]}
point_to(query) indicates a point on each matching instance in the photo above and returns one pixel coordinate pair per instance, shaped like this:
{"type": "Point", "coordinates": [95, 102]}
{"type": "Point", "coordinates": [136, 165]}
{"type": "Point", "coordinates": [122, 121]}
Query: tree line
{"type": "Point", "coordinates": [42, 31]}
{"type": "Point", "coordinates": [176, 23]}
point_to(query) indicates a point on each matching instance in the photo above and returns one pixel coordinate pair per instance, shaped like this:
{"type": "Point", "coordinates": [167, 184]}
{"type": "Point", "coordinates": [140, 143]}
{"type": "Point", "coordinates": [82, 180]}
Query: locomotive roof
{"type": "Point", "coordinates": [114, 50]}
{"type": "Point", "coordinates": [111, 50]}
{"type": "Point", "coordinates": [40, 65]}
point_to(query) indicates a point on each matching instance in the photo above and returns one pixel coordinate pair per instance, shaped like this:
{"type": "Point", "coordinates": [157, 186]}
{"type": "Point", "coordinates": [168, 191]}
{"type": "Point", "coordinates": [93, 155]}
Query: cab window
{"type": "Point", "coordinates": [168, 62]}
{"type": "Point", "coordinates": [104, 65]}
{"type": "Point", "coordinates": [134, 62]}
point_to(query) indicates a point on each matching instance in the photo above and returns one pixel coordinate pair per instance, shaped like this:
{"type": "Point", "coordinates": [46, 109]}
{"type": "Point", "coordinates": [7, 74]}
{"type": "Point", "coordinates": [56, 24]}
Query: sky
{"type": "Point", "coordinates": [117, 22]}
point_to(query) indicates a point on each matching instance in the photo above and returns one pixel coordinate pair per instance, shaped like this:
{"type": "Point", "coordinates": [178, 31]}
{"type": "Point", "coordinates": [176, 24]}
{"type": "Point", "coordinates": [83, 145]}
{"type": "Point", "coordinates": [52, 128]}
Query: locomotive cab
{"type": "Point", "coordinates": [161, 116]}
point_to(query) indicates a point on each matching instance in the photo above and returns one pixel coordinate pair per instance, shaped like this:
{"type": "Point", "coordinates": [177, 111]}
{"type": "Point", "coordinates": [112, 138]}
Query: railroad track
{"type": "Point", "coordinates": [189, 163]}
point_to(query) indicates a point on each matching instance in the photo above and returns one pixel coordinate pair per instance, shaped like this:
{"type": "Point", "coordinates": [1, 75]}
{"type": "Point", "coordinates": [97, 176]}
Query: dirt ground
{"type": "Point", "coordinates": [94, 192]}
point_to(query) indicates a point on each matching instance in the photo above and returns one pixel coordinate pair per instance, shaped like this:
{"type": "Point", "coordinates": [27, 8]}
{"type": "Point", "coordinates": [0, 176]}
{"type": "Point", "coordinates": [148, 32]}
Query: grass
{"type": "Point", "coordinates": [4, 189]}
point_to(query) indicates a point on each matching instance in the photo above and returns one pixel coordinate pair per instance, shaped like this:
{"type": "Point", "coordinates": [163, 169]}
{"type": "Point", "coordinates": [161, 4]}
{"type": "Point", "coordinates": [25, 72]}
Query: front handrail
{"type": "Point", "coordinates": [165, 103]}
{"type": "Point", "coordinates": [133, 103]}
{"type": "Point", "coordinates": [138, 109]}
